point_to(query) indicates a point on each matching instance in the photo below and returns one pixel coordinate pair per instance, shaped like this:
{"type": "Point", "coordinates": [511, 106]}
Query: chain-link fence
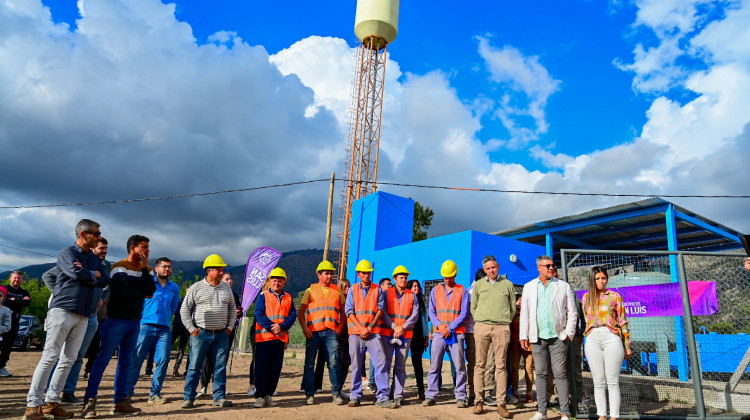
{"type": "Point", "coordinates": [689, 322]}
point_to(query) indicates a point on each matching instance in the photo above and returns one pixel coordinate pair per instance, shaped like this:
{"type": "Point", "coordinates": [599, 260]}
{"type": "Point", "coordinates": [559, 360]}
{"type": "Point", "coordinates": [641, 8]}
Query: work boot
{"type": "Point", "coordinates": [338, 400]}
{"type": "Point", "coordinates": [123, 408]}
{"type": "Point", "coordinates": [33, 413]}
{"type": "Point", "coordinates": [310, 400]}
{"type": "Point", "coordinates": [69, 398]}
{"type": "Point", "coordinates": [385, 404]}
{"type": "Point", "coordinates": [54, 410]}
{"type": "Point", "coordinates": [187, 404]}
{"type": "Point", "coordinates": [260, 402]}
{"type": "Point", "coordinates": [479, 407]}
{"type": "Point", "coordinates": [270, 402]}
{"type": "Point", "coordinates": [461, 404]}
{"type": "Point", "coordinates": [89, 409]}
{"type": "Point", "coordinates": [503, 411]}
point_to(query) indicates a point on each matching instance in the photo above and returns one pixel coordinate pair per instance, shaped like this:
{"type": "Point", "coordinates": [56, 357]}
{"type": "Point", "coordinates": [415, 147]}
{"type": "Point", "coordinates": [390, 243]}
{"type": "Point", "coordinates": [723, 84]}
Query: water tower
{"type": "Point", "coordinates": [376, 26]}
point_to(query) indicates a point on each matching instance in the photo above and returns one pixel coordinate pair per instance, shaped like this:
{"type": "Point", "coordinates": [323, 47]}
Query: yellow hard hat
{"type": "Point", "coordinates": [449, 269]}
{"type": "Point", "coordinates": [325, 266]}
{"type": "Point", "coordinates": [277, 272]}
{"type": "Point", "coordinates": [400, 270]}
{"type": "Point", "coordinates": [364, 266]}
{"type": "Point", "coordinates": [214, 260]}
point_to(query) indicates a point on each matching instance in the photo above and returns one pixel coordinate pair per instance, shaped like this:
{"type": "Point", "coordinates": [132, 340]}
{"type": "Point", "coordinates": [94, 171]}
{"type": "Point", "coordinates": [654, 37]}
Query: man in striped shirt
{"type": "Point", "coordinates": [209, 313]}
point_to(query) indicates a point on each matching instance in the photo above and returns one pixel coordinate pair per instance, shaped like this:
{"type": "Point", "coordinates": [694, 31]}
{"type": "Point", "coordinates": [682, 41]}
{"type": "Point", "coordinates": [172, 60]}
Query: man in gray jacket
{"type": "Point", "coordinates": [79, 272]}
{"type": "Point", "coordinates": [97, 300]}
{"type": "Point", "coordinates": [547, 324]}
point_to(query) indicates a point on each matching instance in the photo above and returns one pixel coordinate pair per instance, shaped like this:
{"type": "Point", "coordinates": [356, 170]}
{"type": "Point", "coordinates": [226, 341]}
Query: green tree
{"type": "Point", "coordinates": [39, 298]}
{"type": "Point", "coordinates": [422, 221]}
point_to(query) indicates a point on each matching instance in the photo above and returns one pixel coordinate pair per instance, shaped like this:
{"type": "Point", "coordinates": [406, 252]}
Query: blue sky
{"type": "Point", "coordinates": [638, 97]}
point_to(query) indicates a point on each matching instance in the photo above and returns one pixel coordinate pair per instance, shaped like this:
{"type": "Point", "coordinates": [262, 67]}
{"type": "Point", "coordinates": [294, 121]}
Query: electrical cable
{"type": "Point", "coordinates": [395, 184]}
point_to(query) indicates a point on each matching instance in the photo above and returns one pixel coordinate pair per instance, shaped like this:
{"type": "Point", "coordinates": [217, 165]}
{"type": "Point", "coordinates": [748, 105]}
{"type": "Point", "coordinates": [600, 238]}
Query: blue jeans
{"type": "Point", "coordinates": [115, 333]}
{"type": "Point", "coordinates": [148, 335]}
{"type": "Point", "coordinates": [329, 339]}
{"type": "Point", "coordinates": [75, 370]}
{"type": "Point", "coordinates": [213, 345]}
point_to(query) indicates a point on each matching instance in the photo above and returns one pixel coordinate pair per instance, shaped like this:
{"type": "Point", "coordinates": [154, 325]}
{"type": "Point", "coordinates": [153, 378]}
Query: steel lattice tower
{"type": "Point", "coordinates": [375, 26]}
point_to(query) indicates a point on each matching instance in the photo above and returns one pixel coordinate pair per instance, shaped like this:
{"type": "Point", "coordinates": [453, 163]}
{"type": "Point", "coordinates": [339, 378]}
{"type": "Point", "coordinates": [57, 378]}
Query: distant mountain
{"type": "Point", "coordinates": [299, 266]}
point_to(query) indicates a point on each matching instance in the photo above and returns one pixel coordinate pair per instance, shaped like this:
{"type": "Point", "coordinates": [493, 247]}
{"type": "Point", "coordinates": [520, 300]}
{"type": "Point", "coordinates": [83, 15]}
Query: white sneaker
{"type": "Point", "coordinates": [251, 391]}
{"type": "Point", "coordinates": [539, 416]}
{"type": "Point", "coordinates": [276, 393]}
{"type": "Point", "coordinates": [260, 402]}
{"type": "Point", "coordinates": [270, 402]}
{"type": "Point", "coordinates": [201, 392]}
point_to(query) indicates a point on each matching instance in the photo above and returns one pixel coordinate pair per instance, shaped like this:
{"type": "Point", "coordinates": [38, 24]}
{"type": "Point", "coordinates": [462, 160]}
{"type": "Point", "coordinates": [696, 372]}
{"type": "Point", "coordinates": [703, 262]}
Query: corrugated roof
{"type": "Point", "coordinates": [640, 225]}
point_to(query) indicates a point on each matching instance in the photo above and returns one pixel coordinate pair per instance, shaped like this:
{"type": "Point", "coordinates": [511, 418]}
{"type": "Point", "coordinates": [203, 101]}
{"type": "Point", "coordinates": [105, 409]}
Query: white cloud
{"type": "Point", "coordinates": [523, 74]}
{"type": "Point", "coordinates": [129, 106]}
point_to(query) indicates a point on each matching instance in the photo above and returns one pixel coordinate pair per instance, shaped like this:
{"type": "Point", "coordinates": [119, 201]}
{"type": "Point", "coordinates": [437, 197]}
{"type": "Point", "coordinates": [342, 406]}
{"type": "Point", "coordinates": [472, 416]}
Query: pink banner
{"type": "Point", "coordinates": [664, 299]}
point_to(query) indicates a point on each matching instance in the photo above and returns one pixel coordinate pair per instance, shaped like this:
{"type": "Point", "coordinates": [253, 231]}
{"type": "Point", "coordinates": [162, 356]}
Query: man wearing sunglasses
{"type": "Point", "coordinates": [79, 272]}
{"type": "Point", "coordinates": [547, 324]}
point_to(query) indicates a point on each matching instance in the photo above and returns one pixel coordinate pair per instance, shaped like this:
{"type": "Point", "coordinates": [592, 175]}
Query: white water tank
{"type": "Point", "coordinates": [376, 18]}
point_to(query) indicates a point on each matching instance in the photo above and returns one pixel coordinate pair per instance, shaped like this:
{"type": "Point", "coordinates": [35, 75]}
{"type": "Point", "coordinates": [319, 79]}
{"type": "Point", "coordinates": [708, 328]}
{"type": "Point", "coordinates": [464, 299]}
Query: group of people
{"type": "Point", "coordinates": [483, 329]}
{"type": "Point", "coordinates": [140, 303]}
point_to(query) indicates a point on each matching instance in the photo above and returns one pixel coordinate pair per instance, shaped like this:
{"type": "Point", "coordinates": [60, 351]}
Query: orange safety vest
{"type": "Point", "coordinates": [323, 311]}
{"type": "Point", "coordinates": [399, 312]}
{"type": "Point", "coordinates": [277, 313]}
{"type": "Point", "coordinates": [447, 312]}
{"type": "Point", "coordinates": [364, 308]}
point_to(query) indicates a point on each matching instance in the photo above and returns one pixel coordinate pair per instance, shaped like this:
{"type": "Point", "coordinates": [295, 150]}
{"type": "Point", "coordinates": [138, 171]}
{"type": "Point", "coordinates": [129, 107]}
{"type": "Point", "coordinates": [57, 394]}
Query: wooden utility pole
{"type": "Point", "coordinates": [330, 216]}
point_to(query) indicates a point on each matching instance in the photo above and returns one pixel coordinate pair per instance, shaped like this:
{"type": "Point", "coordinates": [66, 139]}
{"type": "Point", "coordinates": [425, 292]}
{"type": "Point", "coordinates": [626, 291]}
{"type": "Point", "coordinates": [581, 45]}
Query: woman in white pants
{"type": "Point", "coordinates": [607, 341]}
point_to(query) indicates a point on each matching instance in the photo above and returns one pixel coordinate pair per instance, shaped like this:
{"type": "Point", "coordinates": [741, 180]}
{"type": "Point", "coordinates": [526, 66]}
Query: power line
{"type": "Point", "coordinates": [559, 193]}
{"type": "Point", "coordinates": [26, 250]}
{"type": "Point", "coordinates": [395, 184]}
{"type": "Point", "coordinates": [167, 197]}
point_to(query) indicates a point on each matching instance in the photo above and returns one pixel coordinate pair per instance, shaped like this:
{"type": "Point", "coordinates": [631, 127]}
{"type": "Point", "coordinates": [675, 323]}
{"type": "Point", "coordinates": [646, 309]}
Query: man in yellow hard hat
{"type": "Point", "coordinates": [449, 305]}
{"type": "Point", "coordinates": [321, 316]}
{"type": "Point", "coordinates": [209, 313]}
{"type": "Point", "coordinates": [402, 312]}
{"type": "Point", "coordinates": [365, 305]}
{"type": "Point", "coordinates": [274, 316]}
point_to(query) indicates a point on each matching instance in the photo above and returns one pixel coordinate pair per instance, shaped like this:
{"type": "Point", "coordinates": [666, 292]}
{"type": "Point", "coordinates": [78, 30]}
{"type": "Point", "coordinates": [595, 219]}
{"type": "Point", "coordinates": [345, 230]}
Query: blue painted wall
{"type": "Point", "coordinates": [381, 232]}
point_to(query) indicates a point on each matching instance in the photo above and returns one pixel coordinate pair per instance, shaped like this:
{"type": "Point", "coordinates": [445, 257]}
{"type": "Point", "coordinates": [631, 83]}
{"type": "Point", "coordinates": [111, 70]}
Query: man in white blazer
{"type": "Point", "coordinates": [547, 325]}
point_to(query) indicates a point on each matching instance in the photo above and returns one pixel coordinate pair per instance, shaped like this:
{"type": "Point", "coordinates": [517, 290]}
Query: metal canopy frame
{"type": "Point", "coordinates": [651, 224]}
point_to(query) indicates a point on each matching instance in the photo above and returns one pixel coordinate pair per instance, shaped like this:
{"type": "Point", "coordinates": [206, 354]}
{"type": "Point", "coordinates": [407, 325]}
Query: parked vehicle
{"type": "Point", "coordinates": [30, 333]}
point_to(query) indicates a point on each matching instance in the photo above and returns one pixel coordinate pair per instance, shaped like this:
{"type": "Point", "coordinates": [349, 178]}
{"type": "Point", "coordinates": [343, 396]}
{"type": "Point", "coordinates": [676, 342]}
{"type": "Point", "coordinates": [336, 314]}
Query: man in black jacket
{"type": "Point", "coordinates": [131, 282]}
{"type": "Point", "coordinates": [17, 299]}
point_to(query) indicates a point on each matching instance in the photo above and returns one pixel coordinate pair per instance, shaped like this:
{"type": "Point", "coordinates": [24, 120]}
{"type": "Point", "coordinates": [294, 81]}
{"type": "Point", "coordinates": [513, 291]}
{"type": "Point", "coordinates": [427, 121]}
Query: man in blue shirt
{"type": "Point", "coordinates": [155, 328]}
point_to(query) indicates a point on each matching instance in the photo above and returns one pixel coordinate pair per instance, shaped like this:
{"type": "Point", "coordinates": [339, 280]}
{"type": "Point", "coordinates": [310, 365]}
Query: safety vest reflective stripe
{"type": "Point", "coordinates": [399, 312]}
{"type": "Point", "coordinates": [323, 310]}
{"type": "Point", "coordinates": [365, 308]}
{"type": "Point", "coordinates": [277, 312]}
{"type": "Point", "coordinates": [448, 311]}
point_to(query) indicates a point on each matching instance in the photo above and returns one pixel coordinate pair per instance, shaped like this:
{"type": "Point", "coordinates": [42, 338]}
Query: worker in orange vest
{"type": "Point", "coordinates": [402, 312]}
{"type": "Point", "coordinates": [321, 315]}
{"type": "Point", "coordinates": [274, 316]}
{"type": "Point", "coordinates": [365, 305]}
{"type": "Point", "coordinates": [449, 305]}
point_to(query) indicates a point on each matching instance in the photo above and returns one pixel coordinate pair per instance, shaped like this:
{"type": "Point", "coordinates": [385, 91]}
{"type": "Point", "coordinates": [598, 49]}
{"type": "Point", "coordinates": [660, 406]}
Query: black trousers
{"type": "Point", "coordinates": [180, 332]}
{"type": "Point", "coordinates": [7, 343]}
{"type": "Point", "coordinates": [269, 361]}
{"type": "Point", "coordinates": [417, 348]}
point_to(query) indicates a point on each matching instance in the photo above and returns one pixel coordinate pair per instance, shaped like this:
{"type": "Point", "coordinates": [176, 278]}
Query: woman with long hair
{"type": "Point", "coordinates": [421, 337]}
{"type": "Point", "coordinates": [607, 341]}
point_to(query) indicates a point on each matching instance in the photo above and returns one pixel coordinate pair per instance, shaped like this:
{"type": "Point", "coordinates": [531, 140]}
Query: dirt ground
{"type": "Point", "coordinates": [290, 400]}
